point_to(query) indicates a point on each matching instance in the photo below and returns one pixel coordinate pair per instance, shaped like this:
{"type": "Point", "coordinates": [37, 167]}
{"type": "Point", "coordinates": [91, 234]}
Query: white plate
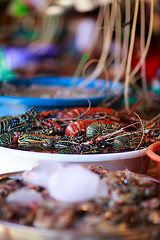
{"type": "Point", "coordinates": [12, 160]}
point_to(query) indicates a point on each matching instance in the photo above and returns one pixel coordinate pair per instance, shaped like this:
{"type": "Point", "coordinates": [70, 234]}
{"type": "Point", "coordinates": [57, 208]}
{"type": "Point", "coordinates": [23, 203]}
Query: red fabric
{"type": "Point", "coordinates": [152, 64]}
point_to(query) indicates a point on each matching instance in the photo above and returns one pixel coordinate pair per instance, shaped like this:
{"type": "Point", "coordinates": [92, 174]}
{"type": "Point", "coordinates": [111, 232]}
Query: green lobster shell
{"type": "Point", "coordinates": [100, 129]}
{"type": "Point", "coordinates": [127, 142]}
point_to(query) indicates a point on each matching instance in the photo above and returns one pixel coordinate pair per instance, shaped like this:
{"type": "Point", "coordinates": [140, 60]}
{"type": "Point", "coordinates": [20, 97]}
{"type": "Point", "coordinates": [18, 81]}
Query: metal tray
{"type": "Point", "coordinates": [12, 231]}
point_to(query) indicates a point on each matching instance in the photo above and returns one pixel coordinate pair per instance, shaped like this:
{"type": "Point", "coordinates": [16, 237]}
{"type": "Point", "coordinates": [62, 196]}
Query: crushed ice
{"type": "Point", "coordinates": [72, 183]}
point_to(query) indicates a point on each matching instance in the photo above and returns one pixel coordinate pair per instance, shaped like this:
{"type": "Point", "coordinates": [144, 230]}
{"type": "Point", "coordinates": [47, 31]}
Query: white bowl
{"type": "Point", "coordinates": [12, 160]}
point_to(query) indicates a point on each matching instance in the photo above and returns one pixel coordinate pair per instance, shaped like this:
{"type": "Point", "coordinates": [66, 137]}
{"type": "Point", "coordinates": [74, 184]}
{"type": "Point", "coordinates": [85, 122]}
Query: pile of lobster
{"type": "Point", "coordinates": [78, 130]}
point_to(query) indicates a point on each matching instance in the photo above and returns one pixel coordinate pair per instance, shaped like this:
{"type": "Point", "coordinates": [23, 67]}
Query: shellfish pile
{"type": "Point", "coordinates": [78, 130]}
{"type": "Point", "coordinates": [97, 201]}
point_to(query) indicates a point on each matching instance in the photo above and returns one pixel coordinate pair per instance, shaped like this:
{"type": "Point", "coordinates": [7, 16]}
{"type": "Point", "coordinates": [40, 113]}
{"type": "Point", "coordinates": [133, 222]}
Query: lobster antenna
{"type": "Point", "coordinates": [98, 70]}
{"type": "Point", "coordinates": [136, 105]}
{"type": "Point", "coordinates": [109, 103]}
{"type": "Point", "coordinates": [89, 106]}
{"type": "Point", "coordinates": [142, 44]}
{"type": "Point", "coordinates": [121, 135]}
{"type": "Point", "coordinates": [94, 39]}
{"type": "Point", "coordinates": [125, 44]}
{"type": "Point", "coordinates": [129, 59]}
{"type": "Point", "coordinates": [143, 54]}
{"type": "Point", "coordinates": [96, 60]}
{"type": "Point", "coordinates": [142, 130]}
{"type": "Point", "coordinates": [153, 120]}
{"type": "Point", "coordinates": [135, 70]}
{"type": "Point", "coordinates": [51, 25]}
{"type": "Point", "coordinates": [118, 131]}
{"type": "Point", "coordinates": [117, 50]}
{"type": "Point", "coordinates": [121, 68]}
{"type": "Point", "coordinates": [108, 63]}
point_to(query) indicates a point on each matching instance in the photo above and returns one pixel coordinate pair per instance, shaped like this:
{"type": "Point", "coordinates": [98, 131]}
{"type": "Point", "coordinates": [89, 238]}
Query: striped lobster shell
{"type": "Point", "coordinates": [6, 139]}
{"type": "Point", "coordinates": [96, 129]}
{"type": "Point", "coordinates": [35, 138]}
{"type": "Point", "coordinates": [83, 112]}
{"type": "Point", "coordinates": [78, 127]}
{"type": "Point", "coordinates": [127, 142]}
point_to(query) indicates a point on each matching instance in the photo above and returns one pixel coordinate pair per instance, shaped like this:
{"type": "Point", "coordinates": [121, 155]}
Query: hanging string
{"type": "Point", "coordinates": [94, 40]}
{"type": "Point", "coordinates": [118, 44]}
{"type": "Point", "coordinates": [106, 46]}
{"type": "Point", "coordinates": [143, 56]}
{"type": "Point", "coordinates": [125, 44]}
{"type": "Point", "coordinates": [142, 45]}
{"type": "Point", "coordinates": [128, 67]}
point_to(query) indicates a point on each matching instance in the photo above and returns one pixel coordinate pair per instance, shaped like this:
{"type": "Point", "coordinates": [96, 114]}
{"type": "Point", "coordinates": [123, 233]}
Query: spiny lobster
{"type": "Point", "coordinates": [30, 120]}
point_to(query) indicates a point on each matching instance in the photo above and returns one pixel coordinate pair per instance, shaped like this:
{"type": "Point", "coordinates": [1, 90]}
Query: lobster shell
{"type": "Point", "coordinates": [80, 126]}
{"type": "Point", "coordinates": [75, 113]}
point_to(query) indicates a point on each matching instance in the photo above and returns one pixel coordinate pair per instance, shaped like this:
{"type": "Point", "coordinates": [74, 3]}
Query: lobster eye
{"type": "Point", "coordinates": [15, 137]}
{"type": "Point", "coordinates": [23, 117]}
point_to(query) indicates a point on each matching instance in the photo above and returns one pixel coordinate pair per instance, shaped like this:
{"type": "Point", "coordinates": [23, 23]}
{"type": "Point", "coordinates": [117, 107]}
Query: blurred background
{"type": "Point", "coordinates": [52, 37]}
{"type": "Point", "coordinates": [39, 38]}
{"type": "Point", "coordinates": [42, 37]}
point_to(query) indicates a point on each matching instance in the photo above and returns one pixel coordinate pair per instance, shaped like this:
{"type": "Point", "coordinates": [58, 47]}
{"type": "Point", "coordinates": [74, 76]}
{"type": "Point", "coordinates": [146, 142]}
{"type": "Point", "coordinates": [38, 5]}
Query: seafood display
{"type": "Point", "coordinates": [52, 92]}
{"type": "Point", "coordinates": [78, 130]}
{"type": "Point", "coordinates": [116, 199]}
